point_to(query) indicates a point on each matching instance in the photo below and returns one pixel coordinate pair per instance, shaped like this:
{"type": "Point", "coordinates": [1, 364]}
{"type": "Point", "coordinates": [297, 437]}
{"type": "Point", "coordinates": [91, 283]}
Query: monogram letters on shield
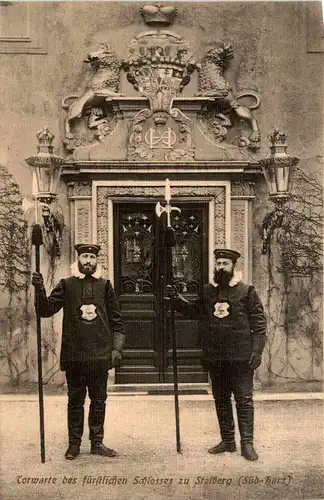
{"type": "Point", "coordinates": [155, 138]}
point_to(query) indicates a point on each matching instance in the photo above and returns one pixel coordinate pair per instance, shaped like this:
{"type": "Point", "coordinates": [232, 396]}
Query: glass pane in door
{"type": "Point", "coordinates": [136, 252]}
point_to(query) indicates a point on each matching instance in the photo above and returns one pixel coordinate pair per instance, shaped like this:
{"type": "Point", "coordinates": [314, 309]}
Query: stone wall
{"type": "Point", "coordinates": [277, 52]}
{"type": "Point", "coordinates": [270, 40]}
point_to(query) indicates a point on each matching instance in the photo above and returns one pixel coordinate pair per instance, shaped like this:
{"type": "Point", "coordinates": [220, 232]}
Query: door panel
{"type": "Point", "coordinates": [189, 258]}
{"type": "Point", "coordinates": [139, 283]}
{"type": "Point", "coordinates": [135, 283]}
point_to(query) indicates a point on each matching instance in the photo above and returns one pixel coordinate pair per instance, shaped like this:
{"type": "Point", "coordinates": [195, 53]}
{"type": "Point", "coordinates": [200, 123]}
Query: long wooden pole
{"type": "Point", "coordinates": [37, 241]}
{"type": "Point", "coordinates": [169, 243]}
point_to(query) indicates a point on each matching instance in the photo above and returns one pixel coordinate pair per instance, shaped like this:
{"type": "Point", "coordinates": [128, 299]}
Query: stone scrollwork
{"type": "Point", "coordinates": [81, 188]}
{"type": "Point", "coordinates": [216, 123]}
{"type": "Point", "coordinates": [137, 148]}
{"type": "Point", "coordinates": [217, 116]}
{"type": "Point", "coordinates": [242, 189]}
{"type": "Point", "coordinates": [94, 101]}
{"type": "Point", "coordinates": [180, 154]}
{"type": "Point", "coordinates": [184, 127]}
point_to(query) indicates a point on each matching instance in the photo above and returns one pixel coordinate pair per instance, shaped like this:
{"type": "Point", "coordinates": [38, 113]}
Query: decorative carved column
{"type": "Point", "coordinates": [80, 213]}
{"type": "Point", "coordinates": [242, 194]}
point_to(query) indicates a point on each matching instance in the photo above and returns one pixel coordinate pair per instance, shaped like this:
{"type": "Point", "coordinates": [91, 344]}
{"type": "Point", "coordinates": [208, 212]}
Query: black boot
{"type": "Point", "coordinates": [245, 415]}
{"type": "Point", "coordinates": [97, 413]}
{"type": "Point", "coordinates": [96, 420]}
{"type": "Point", "coordinates": [222, 447]}
{"type": "Point", "coordinates": [72, 452]}
{"type": "Point", "coordinates": [102, 450]}
{"type": "Point", "coordinates": [248, 452]}
{"type": "Point", "coordinates": [75, 414]}
{"type": "Point", "coordinates": [224, 412]}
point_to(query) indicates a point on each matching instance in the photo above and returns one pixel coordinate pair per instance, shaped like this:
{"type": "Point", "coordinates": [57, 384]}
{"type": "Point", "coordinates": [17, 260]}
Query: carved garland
{"type": "Point", "coordinates": [243, 189]}
{"type": "Point", "coordinates": [238, 231]}
{"type": "Point", "coordinates": [81, 188]}
{"type": "Point", "coordinates": [83, 221]}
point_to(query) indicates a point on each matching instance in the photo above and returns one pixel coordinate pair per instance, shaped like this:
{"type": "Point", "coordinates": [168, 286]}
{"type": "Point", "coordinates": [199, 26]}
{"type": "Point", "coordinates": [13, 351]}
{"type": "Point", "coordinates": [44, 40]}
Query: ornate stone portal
{"type": "Point", "coordinates": [215, 193]}
{"type": "Point", "coordinates": [110, 132]}
{"type": "Point", "coordinates": [159, 125]}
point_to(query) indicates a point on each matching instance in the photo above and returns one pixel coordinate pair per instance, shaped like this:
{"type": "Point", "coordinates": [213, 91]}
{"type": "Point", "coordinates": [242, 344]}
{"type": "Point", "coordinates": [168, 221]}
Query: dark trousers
{"type": "Point", "coordinates": [233, 377]}
{"type": "Point", "coordinates": [80, 377]}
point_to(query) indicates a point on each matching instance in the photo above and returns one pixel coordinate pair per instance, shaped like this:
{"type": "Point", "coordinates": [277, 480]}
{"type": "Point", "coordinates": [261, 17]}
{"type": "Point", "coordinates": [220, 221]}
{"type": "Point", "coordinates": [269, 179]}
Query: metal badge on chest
{"type": "Point", "coordinates": [88, 310]}
{"type": "Point", "coordinates": [221, 309]}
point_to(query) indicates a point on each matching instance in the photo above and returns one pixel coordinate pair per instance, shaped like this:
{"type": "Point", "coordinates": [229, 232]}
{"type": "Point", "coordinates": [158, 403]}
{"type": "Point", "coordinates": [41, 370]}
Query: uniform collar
{"type": "Point", "coordinates": [75, 271]}
{"type": "Point", "coordinates": [234, 281]}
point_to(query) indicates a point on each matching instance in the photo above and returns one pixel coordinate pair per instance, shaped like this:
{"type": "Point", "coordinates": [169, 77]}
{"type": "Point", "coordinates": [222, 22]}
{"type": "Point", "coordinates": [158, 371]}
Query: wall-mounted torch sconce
{"type": "Point", "coordinates": [47, 167]}
{"type": "Point", "coordinates": [277, 170]}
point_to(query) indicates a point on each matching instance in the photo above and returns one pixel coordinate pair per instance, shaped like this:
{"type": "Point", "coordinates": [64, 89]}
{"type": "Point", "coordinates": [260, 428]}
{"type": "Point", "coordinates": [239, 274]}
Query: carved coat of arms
{"type": "Point", "coordinates": [159, 65]}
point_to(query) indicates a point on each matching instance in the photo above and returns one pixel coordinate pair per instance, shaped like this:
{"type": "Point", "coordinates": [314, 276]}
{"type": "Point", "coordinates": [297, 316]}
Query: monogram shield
{"type": "Point", "coordinates": [221, 309]}
{"type": "Point", "coordinates": [88, 312]}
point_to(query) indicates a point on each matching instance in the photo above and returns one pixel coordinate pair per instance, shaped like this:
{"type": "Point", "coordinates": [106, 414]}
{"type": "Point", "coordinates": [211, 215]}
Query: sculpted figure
{"type": "Point", "coordinates": [105, 82]}
{"type": "Point", "coordinates": [212, 83]}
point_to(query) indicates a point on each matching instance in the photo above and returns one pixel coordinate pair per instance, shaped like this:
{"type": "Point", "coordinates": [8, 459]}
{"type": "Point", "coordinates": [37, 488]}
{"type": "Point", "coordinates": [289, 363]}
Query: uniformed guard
{"type": "Point", "coordinates": [92, 342]}
{"type": "Point", "coordinates": [233, 336]}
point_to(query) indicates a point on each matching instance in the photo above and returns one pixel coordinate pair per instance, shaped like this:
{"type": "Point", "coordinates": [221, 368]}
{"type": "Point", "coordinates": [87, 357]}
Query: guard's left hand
{"type": "Point", "coordinates": [116, 358]}
{"type": "Point", "coordinates": [255, 360]}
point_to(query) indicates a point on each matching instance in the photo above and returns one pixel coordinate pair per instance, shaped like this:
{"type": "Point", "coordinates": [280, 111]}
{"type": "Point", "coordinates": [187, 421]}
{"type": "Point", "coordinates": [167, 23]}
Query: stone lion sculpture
{"type": "Point", "coordinates": [211, 83]}
{"type": "Point", "coordinates": [105, 82]}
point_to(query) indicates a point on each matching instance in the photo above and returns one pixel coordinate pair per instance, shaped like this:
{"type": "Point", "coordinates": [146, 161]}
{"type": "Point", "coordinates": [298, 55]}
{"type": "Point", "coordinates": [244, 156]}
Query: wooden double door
{"type": "Point", "coordinates": [140, 271]}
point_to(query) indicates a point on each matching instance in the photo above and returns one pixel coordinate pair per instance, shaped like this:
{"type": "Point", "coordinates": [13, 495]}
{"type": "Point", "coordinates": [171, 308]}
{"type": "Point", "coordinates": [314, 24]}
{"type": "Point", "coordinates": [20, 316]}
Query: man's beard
{"type": "Point", "coordinates": [87, 269]}
{"type": "Point", "coordinates": [222, 277]}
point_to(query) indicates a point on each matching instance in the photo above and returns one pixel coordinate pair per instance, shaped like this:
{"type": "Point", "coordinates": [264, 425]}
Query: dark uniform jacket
{"type": "Point", "coordinates": [232, 322]}
{"type": "Point", "coordinates": [92, 322]}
